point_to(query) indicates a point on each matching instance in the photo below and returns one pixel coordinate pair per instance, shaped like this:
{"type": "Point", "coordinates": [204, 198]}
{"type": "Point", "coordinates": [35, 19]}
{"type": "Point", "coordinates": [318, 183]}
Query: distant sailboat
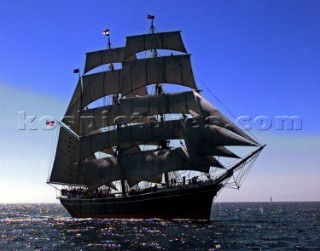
{"type": "Point", "coordinates": [271, 199]}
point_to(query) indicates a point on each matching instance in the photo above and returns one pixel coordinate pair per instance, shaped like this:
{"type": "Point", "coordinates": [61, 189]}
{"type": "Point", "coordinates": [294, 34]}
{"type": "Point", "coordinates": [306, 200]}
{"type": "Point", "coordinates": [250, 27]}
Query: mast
{"type": "Point", "coordinates": [115, 101]}
{"type": "Point", "coordinates": [106, 32]}
{"type": "Point", "coordinates": [159, 90]}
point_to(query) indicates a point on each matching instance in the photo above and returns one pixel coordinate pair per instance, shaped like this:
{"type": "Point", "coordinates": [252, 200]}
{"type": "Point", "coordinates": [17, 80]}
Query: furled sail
{"type": "Point", "coordinates": [143, 165]}
{"type": "Point", "coordinates": [162, 40]}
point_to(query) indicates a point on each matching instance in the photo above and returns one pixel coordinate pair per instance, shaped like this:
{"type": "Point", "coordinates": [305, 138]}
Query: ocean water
{"type": "Point", "coordinates": [235, 226]}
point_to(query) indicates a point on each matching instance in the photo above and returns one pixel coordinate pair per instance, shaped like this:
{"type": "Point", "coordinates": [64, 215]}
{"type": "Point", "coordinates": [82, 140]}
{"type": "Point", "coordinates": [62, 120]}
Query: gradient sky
{"type": "Point", "coordinates": [259, 57]}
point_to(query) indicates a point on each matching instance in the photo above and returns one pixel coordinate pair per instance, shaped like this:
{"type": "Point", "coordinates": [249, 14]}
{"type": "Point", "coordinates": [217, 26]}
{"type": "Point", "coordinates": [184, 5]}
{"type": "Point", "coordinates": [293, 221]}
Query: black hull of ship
{"type": "Point", "coordinates": [173, 203]}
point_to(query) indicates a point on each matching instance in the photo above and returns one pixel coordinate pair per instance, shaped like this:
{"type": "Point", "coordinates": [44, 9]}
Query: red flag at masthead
{"type": "Point", "coordinates": [150, 17]}
{"type": "Point", "coordinates": [106, 32]}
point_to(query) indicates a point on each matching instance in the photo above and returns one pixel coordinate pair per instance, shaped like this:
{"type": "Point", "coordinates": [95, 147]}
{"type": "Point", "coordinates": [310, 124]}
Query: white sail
{"type": "Point", "coordinates": [162, 40]}
{"type": "Point", "coordinates": [100, 172]}
{"type": "Point", "coordinates": [130, 136]}
{"type": "Point", "coordinates": [65, 169]}
{"type": "Point", "coordinates": [132, 119]}
{"type": "Point", "coordinates": [135, 109]}
{"type": "Point", "coordinates": [133, 76]}
{"type": "Point", "coordinates": [143, 165]}
{"type": "Point", "coordinates": [72, 115]}
{"type": "Point", "coordinates": [215, 117]}
{"type": "Point", "coordinates": [168, 69]}
{"type": "Point", "coordinates": [97, 58]}
{"type": "Point", "coordinates": [206, 149]}
{"type": "Point", "coordinates": [101, 84]}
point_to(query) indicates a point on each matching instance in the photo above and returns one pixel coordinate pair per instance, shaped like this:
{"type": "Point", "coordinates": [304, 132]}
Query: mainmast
{"type": "Point", "coordinates": [159, 90]}
{"type": "Point", "coordinates": [115, 101]}
{"type": "Point", "coordinates": [106, 32]}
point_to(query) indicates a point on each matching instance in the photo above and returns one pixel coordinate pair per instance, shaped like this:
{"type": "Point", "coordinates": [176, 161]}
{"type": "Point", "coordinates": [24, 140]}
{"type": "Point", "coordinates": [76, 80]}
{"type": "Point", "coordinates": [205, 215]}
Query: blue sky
{"type": "Point", "coordinates": [260, 58]}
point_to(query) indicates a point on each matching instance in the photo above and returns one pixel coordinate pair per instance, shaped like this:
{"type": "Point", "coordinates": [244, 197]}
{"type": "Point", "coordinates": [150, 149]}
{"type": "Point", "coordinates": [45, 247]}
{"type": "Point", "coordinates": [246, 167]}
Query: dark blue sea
{"type": "Point", "coordinates": [235, 226]}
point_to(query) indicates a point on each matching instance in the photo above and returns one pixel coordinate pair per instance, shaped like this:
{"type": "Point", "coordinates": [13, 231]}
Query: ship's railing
{"type": "Point", "coordinates": [107, 193]}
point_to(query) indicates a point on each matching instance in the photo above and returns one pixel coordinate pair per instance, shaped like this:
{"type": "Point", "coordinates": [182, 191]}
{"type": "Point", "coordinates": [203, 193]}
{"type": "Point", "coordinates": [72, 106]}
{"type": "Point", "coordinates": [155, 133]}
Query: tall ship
{"type": "Point", "coordinates": [138, 140]}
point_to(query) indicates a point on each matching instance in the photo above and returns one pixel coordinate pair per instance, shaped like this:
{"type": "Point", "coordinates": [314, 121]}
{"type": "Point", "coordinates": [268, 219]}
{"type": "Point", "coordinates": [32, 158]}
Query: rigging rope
{"type": "Point", "coordinates": [243, 172]}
